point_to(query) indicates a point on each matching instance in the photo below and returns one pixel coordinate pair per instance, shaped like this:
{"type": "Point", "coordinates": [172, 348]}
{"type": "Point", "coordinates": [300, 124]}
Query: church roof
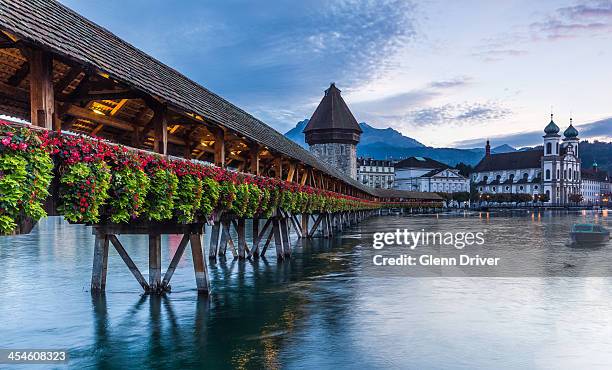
{"type": "Point", "coordinates": [332, 114]}
{"type": "Point", "coordinates": [595, 175]}
{"type": "Point", "coordinates": [511, 161]}
{"type": "Point", "coordinates": [551, 128]}
{"type": "Point", "coordinates": [570, 132]}
{"type": "Point", "coordinates": [420, 162]}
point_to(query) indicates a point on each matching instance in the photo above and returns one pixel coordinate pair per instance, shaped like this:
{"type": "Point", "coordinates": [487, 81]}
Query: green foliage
{"type": "Point", "coordinates": [128, 192]}
{"type": "Point", "coordinates": [210, 197]}
{"type": "Point", "coordinates": [188, 198]}
{"type": "Point", "coordinates": [240, 204]}
{"type": "Point", "coordinates": [227, 195]}
{"type": "Point", "coordinates": [83, 190]}
{"type": "Point", "coordinates": [159, 203]}
{"type": "Point", "coordinates": [255, 195]}
{"type": "Point", "coordinates": [13, 175]}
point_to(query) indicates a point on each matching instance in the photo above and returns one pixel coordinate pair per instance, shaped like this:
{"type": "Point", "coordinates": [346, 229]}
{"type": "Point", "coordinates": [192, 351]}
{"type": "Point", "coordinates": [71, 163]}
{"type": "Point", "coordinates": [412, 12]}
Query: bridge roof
{"type": "Point", "coordinates": [53, 26]}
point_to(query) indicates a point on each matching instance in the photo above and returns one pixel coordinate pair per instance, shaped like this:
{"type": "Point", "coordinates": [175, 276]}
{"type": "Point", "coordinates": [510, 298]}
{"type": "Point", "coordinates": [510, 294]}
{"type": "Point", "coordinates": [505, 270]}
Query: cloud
{"type": "Point", "coordinates": [585, 19]}
{"type": "Point", "coordinates": [458, 114]}
{"type": "Point", "coordinates": [599, 129]}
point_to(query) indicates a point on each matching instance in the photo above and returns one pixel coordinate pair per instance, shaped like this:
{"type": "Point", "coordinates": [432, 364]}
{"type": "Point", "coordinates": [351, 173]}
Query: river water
{"type": "Point", "coordinates": [321, 310]}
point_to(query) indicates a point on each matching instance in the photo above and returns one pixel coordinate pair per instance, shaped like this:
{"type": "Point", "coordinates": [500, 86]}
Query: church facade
{"type": "Point", "coordinates": [552, 170]}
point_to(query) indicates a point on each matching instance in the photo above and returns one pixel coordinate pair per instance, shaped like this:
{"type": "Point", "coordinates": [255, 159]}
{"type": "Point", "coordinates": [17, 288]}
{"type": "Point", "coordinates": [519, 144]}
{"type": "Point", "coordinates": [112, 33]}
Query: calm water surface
{"type": "Point", "coordinates": [319, 311]}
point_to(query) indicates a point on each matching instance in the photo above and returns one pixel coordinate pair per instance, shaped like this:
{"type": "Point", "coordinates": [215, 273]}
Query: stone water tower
{"type": "Point", "coordinates": [333, 133]}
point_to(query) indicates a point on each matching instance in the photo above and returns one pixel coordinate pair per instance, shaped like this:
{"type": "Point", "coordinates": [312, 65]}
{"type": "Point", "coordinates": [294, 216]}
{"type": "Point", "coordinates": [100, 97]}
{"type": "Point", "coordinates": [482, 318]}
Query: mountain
{"type": "Point", "coordinates": [370, 135]}
{"type": "Point", "coordinates": [391, 144]}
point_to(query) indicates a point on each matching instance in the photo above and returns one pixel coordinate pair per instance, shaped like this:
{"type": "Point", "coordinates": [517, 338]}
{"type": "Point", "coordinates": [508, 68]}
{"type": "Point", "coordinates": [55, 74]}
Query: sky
{"type": "Point", "coordinates": [447, 73]}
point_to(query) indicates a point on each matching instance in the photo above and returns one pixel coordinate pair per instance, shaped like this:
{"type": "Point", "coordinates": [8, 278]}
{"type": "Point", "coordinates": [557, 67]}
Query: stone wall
{"type": "Point", "coordinates": [341, 156]}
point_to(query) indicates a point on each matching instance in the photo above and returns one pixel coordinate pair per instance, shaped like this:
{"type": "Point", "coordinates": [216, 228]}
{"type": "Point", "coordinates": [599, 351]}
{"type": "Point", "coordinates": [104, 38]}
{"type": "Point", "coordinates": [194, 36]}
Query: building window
{"type": "Point", "coordinates": [521, 187]}
{"type": "Point", "coordinates": [547, 174]}
{"type": "Point", "coordinates": [494, 188]}
{"type": "Point", "coordinates": [548, 148]}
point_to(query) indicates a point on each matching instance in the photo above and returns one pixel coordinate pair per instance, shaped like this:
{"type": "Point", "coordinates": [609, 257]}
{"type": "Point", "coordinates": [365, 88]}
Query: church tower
{"type": "Point", "coordinates": [550, 162]}
{"type": "Point", "coordinates": [333, 133]}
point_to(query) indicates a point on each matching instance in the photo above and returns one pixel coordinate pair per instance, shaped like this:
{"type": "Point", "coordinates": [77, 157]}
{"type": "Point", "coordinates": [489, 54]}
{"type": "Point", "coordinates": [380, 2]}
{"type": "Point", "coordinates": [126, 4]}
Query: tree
{"type": "Point", "coordinates": [464, 169]}
{"type": "Point", "coordinates": [575, 198]}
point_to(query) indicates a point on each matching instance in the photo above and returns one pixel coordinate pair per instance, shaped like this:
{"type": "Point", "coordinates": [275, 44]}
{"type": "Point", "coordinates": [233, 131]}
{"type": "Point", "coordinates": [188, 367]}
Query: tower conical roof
{"type": "Point", "coordinates": [332, 118]}
{"type": "Point", "coordinates": [570, 132]}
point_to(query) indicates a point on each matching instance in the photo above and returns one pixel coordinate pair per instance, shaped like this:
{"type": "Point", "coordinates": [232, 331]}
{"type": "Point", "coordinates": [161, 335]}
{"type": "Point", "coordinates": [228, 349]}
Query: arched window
{"type": "Point", "coordinates": [548, 148]}
{"type": "Point", "coordinates": [547, 174]}
{"type": "Point", "coordinates": [525, 176]}
{"type": "Point", "coordinates": [521, 187]}
{"type": "Point", "coordinates": [498, 177]}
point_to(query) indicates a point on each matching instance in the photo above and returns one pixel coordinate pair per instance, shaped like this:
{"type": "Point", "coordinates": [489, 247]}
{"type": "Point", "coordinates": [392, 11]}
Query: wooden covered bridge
{"type": "Point", "coordinates": [61, 72]}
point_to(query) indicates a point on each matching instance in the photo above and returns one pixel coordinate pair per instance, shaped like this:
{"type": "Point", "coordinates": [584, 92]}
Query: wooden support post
{"type": "Point", "coordinates": [155, 262]}
{"type": "Point", "coordinates": [291, 172]}
{"type": "Point", "coordinates": [259, 237]}
{"type": "Point", "coordinates": [241, 231]}
{"type": "Point", "coordinates": [305, 218]}
{"type": "Point", "coordinates": [175, 260]}
{"type": "Point", "coordinates": [285, 235]}
{"type": "Point", "coordinates": [100, 264]}
{"type": "Point", "coordinates": [160, 127]}
{"type": "Point", "coordinates": [316, 225]}
{"type": "Point", "coordinates": [42, 101]}
{"type": "Point", "coordinates": [278, 239]}
{"type": "Point", "coordinates": [254, 159]}
{"type": "Point", "coordinates": [265, 247]}
{"type": "Point", "coordinates": [219, 147]}
{"type": "Point", "coordinates": [214, 240]}
{"type": "Point", "coordinates": [254, 233]}
{"type": "Point", "coordinates": [129, 262]}
{"type": "Point", "coordinates": [278, 168]}
{"type": "Point", "coordinates": [199, 264]}
{"type": "Point", "coordinates": [227, 237]}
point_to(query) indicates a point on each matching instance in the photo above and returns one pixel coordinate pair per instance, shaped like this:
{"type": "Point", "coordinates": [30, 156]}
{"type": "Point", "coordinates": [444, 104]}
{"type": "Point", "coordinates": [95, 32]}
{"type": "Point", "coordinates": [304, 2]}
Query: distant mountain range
{"type": "Point", "coordinates": [388, 143]}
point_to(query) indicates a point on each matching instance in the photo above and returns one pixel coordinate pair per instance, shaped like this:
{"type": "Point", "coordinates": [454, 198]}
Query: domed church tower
{"type": "Point", "coordinates": [551, 162]}
{"type": "Point", "coordinates": [333, 133]}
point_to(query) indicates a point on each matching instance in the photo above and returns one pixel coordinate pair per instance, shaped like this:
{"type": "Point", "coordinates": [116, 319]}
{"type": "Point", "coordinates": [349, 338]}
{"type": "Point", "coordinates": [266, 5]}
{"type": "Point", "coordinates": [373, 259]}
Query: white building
{"type": "Point", "coordinates": [553, 169]}
{"type": "Point", "coordinates": [376, 173]}
{"type": "Point", "coordinates": [426, 174]}
{"type": "Point", "coordinates": [595, 185]}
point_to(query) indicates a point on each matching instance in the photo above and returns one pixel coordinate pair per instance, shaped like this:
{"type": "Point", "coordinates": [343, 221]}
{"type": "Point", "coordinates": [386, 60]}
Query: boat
{"type": "Point", "coordinates": [589, 233]}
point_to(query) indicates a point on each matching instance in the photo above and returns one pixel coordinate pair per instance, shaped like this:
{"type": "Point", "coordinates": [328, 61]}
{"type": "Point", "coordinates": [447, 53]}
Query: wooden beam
{"type": "Point", "coordinates": [14, 93]}
{"type": "Point", "coordinates": [160, 127]}
{"type": "Point", "coordinates": [175, 260]}
{"type": "Point", "coordinates": [199, 264]}
{"type": "Point", "coordinates": [104, 95]}
{"type": "Point", "coordinates": [42, 101]}
{"type": "Point", "coordinates": [118, 107]}
{"type": "Point", "coordinates": [254, 152]}
{"type": "Point", "coordinates": [155, 262]}
{"type": "Point", "coordinates": [129, 262]}
{"type": "Point", "coordinates": [67, 80]}
{"type": "Point", "coordinates": [291, 172]}
{"type": "Point", "coordinates": [219, 147]}
{"type": "Point", "coordinates": [100, 264]}
{"type": "Point", "coordinates": [20, 74]}
{"type": "Point", "coordinates": [278, 168]}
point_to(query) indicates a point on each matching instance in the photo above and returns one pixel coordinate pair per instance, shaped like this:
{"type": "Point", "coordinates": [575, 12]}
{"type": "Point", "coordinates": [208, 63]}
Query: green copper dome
{"type": "Point", "coordinates": [571, 132]}
{"type": "Point", "coordinates": [551, 128]}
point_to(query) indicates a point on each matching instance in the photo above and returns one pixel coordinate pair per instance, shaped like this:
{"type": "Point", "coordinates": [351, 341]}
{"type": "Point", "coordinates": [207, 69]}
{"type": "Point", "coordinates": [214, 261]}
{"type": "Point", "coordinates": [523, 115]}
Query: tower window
{"type": "Point", "coordinates": [547, 174]}
{"type": "Point", "coordinates": [548, 148]}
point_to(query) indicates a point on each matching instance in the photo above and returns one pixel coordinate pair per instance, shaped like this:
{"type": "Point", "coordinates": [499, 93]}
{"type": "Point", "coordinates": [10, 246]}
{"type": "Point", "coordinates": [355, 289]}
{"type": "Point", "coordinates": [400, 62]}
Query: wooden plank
{"type": "Point", "coordinates": [129, 262]}
{"type": "Point", "coordinates": [42, 101]}
{"type": "Point", "coordinates": [175, 260]}
{"type": "Point", "coordinates": [100, 264]}
{"type": "Point", "coordinates": [66, 80]}
{"type": "Point", "coordinates": [118, 107]}
{"type": "Point", "coordinates": [199, 264]}
{"type": "Point", "coordinates": [155, 262]}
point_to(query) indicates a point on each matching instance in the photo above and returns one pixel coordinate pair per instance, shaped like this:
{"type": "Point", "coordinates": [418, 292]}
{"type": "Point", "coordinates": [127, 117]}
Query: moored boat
{"type": "Point", "coordinates": [589, 233]}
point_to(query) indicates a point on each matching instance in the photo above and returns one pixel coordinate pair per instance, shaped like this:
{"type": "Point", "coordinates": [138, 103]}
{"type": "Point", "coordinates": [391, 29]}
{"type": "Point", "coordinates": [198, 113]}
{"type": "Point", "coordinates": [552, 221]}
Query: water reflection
{"type": "Point", "coordinates": [320, 310]}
